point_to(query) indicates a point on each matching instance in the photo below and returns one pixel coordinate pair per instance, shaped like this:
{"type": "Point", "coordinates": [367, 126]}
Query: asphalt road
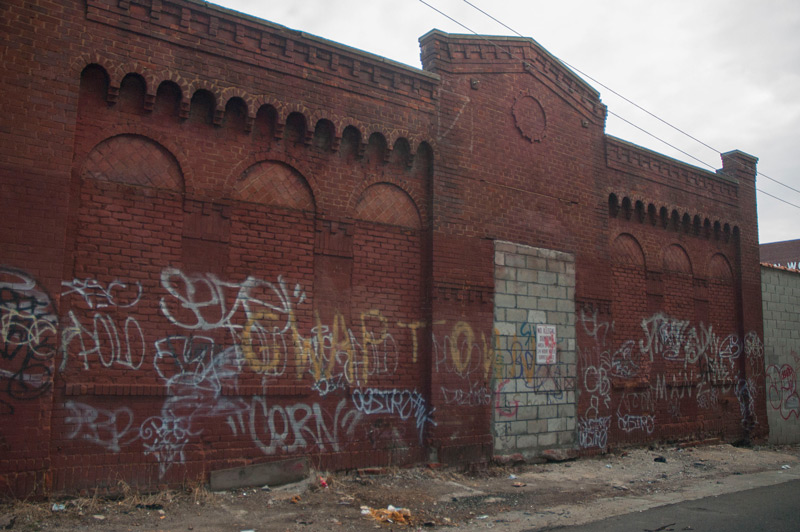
{"type": "Point", "coordinates": [773, 509]}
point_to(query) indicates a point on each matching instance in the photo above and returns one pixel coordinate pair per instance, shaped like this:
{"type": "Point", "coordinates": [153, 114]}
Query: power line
{"type": "Point", "coordinates": [777, 198]}
{"type": "Point", "coordinates": [661, 140]}
{"type": "Point", "coordinates": [451, 18]}
{"type": "Point", "coordinates": [584, 74]}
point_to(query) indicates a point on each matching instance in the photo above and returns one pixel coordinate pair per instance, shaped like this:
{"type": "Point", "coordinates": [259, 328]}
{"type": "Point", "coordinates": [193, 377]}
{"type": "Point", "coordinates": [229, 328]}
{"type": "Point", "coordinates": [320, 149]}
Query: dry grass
{"type": "Point", "coordinates": [28, 515]}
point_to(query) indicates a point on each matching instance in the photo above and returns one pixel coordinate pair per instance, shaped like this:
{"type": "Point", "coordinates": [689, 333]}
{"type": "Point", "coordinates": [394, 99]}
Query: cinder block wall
{"type": "Point", "coordinates": [535, 402]}
{"type": "Point", "coordinates": [780, 289]}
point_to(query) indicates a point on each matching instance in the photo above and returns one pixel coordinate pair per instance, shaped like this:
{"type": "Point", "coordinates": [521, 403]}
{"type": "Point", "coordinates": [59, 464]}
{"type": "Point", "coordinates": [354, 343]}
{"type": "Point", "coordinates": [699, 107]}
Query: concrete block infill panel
{"type": "Point", "coordinates": [270, 474]}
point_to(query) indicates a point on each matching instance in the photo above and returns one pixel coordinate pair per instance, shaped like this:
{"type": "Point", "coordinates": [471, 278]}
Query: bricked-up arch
{"type": "Point", "coordinates": [388, 204]}
{"type": "Point", "coordinates": [168, 99]}
{"type": "Point", "coordinates": [133, 160]}
{"type": "Point", "coordinates": [678, 284]}
{"type": "Point", "coordinates": [351, 147]}
{"type": "Point", "coordinates": [201, 110]}
{"type": "Point", "coordinates": [722, 298]}
{"type": "Point", "coordinates": [423, 162]}
{"type": "Point", "coordinates": [719, 268]}
{"type": "Point", "coordinates": [386, 289]}
{"type": "Point", "coordinates": [131, 94]}
{"type": "Point", "coordinates": [613, 205]}
{"type": "Point", "coordinates": [401, 153]}
{"type": "Point", "coordinates": [235, 115]}
{"type": "Point", "coordinates": [377, 150]}
{"type": "Point", "coordinates": [265, 125]}
{"type": "Point", "coordinates": [626, 251]}
{"type": "Point", "coordinates": [94, 88]}
{"type": "Point", "coordinates": [276, 184]}
{"type": "Point", "coordinates": [324, 135]}
{"type": "Point", "coordinates": [675, 259]}
{"type": "Point", "coordinates": [628, 306]}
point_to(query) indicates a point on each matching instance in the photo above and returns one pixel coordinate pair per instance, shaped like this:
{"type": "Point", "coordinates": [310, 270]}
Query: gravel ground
{"type": "Point", "coordinates": [423, 498]}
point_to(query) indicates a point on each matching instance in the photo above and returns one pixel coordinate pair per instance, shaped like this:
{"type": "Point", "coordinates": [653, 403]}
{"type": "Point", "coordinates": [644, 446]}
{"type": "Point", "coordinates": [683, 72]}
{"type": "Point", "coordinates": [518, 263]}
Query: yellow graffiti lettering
{"type": "Point", "coordinates": [461, 362]}
{"type": "Point", "coordinates": [302, 347]}
{"type": "Point", "coordinates": [368, 338]}
{"type": "Point", "coordinates": [257, 361]}
{"type": "Point", "coordinates": [340, 343]}
{"type": "Point", "coordinates": [500, 370]}
{"type": "Point", "coordinates": [413, 326]}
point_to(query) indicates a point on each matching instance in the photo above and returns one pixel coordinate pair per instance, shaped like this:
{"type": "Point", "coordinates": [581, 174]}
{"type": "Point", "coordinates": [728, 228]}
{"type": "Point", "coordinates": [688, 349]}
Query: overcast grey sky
{"type": "Point", "coordinates": [727, 72]}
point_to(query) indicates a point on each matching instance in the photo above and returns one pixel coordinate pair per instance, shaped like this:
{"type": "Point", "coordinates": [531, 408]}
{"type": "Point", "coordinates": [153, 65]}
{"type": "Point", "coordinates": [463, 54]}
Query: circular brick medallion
{"type": "Point", "coordinates": [529, 117]}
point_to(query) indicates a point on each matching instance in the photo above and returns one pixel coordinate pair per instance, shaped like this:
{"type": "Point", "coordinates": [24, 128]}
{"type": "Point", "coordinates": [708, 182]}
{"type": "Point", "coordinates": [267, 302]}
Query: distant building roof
{"type": "Point", "coordinates": [781, 253]}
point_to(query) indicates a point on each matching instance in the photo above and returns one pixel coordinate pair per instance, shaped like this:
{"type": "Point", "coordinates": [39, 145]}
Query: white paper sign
{"type": "Point", "coordinates": [545, 344]}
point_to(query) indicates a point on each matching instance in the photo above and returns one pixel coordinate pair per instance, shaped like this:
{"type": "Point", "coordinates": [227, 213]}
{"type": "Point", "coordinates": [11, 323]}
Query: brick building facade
{"type": "Point", "coordinates": [227, 242]}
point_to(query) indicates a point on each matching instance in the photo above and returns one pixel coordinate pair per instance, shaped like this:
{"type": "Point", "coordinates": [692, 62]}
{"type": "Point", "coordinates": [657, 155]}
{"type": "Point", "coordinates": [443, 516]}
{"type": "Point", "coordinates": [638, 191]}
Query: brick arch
{"type": "Point", "coordinates": [388, 204]}
{"type": "Point", "coordinates": [228, 186]}
{"type": "Point", "coordinates": [215, 92]}
{"type": "Point", "coordinates": [393, 135]}
{"type": "Point", "coordinates": [150, 78]}
{"type": "Point", "coordinates": [279, 106]}
{"type": "Point", "coordinates": [178, 80]}
{"type": "Point", "coordinates": [80, 62]}
{"type": "Point", "coordinates": [287, 109]}
{"type": "Point", "coordinates": [228, 94]}
{"type": "Point", "coordinates": [91, 95]}
{"type": "Point", "coordinates": [675, 259]}
{"type": "Point", "coordinates": [275, 184]}
{"type": "Point", "coordinates": [132, 95]}
{"type": "Point", "coordinates": [719, 268]}
{"type": "Point", "coordinates": [133, 160]}
{"type": "Point", "coordinates": [626, 251]}
{"type": "Point", "coordinates": [167, 143]}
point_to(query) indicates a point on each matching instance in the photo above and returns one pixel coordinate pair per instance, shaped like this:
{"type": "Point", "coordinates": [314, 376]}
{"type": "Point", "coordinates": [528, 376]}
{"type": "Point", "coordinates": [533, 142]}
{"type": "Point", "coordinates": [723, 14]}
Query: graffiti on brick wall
{"type": "Point", "coordinates": [754, 353]}
{"type": "Point", "coordinates": [462, 352]}
{"type": "Point", "coordinates": [112, 429]}
{"type": "Point", "coordinates": [260, 318]}
{"type": "Point", "coordinates": [223, 331]}
{"type": "Point", "coordinates": [782, 393]}
{"type": "Point", "coordinates": [469, 358]}
{"type": "Point", "coordinates": [593, 432]}
{"type": "Point", "coordinates": [676, 340]}
{"type": "Point", "coordinates": [477, 394]}
{"type": "Point", "coordinates": [99, 295]}
{"type": "Point", "coordinates": [103, 340]}
{"type": "Point", "coordinates": [302, 426]}
{"type": "Point", "coordinates": [28, 339]}
{"type": "Point", "coordinates": [709, 365]}
{"type": "Point", "coordinates": [194, 362]}
{"type": "Point", "coordinates": [404, 404]}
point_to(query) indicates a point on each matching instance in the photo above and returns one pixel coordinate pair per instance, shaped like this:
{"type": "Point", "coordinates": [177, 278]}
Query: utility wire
{"type": "Point", "coordinates": [454, 20]}
{"type": "Point", "coordinates": [777, 198]}
{"type": "Point", "coordinates": [587, 76]}
{"type": "Point", "coordinates": [661, 140]}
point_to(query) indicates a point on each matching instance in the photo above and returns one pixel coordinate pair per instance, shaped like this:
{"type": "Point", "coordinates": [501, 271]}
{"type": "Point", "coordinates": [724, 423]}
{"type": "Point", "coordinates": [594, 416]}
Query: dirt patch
{"type": "Point", "coordinates": [424, 497]}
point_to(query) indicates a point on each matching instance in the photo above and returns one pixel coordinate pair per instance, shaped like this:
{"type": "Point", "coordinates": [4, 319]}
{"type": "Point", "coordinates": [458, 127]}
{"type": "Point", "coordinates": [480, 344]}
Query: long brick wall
{"type": "Point", "coordinates": [225, 242]}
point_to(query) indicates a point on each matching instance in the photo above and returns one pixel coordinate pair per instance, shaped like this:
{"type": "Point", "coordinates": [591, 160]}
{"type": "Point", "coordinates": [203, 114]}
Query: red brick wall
{"type": "Point", "coordinates": [225, 242]}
